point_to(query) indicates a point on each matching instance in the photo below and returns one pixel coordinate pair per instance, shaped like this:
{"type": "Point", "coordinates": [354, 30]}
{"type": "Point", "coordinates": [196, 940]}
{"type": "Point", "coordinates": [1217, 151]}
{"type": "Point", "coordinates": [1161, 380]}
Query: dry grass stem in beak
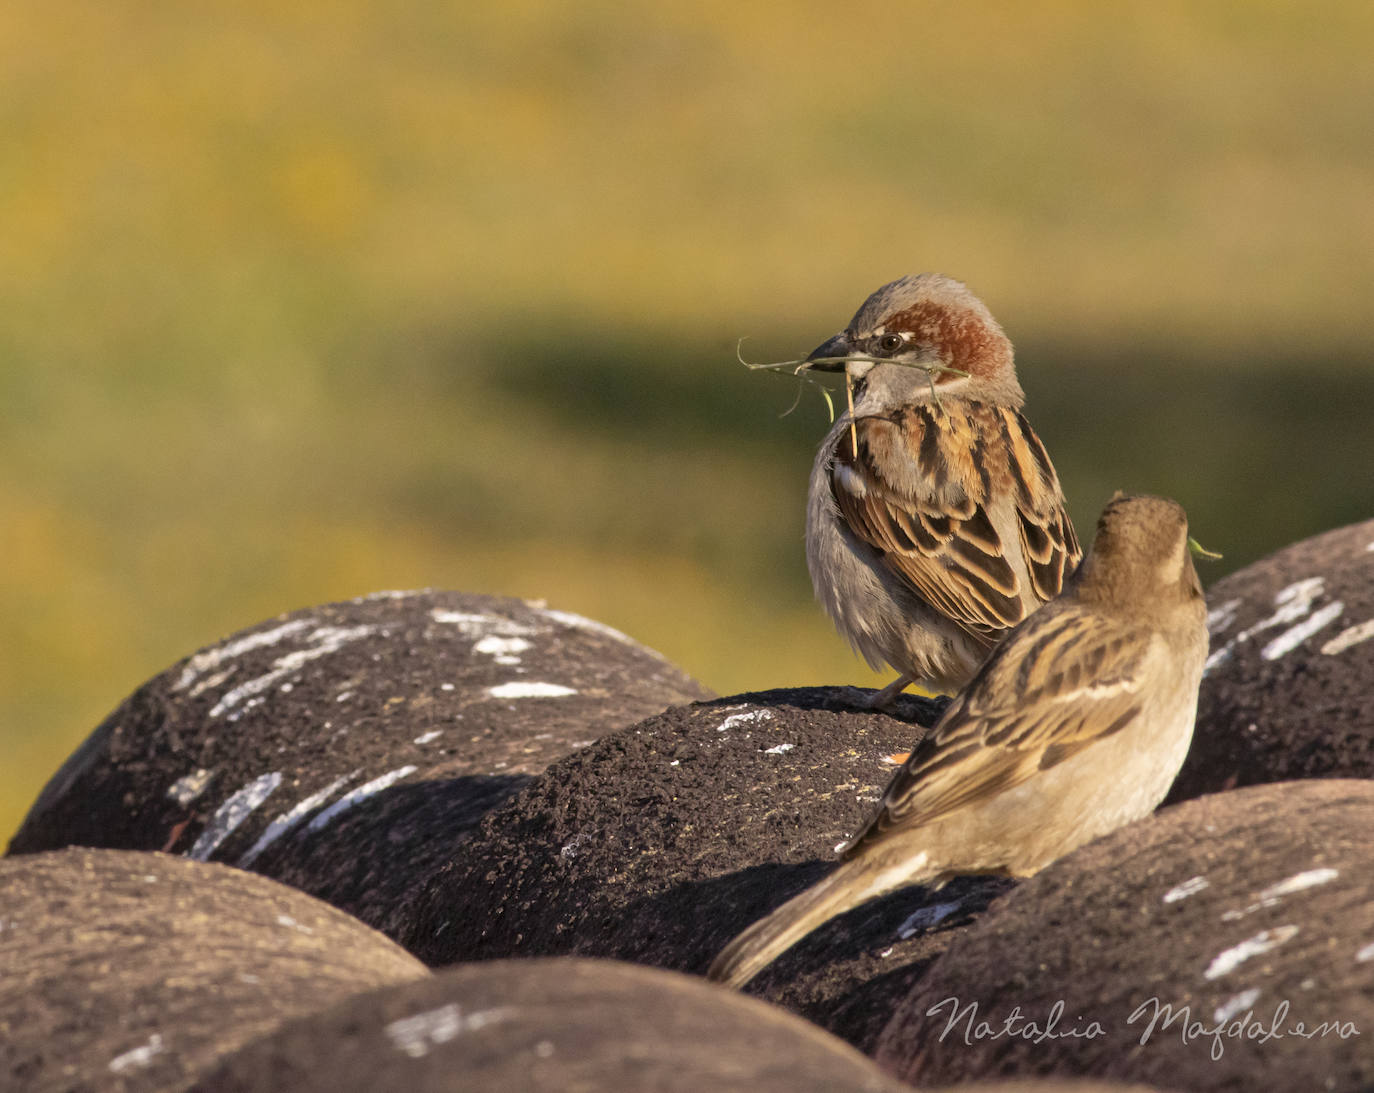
{"type": "Point", "coordinates": [798, 367]}
{"type": "Point", "coordinates": [853, 429]}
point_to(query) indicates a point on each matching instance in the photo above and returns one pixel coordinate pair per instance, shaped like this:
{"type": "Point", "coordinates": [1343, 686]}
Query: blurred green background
{"type": "Point", "coordinates": [304, 301]}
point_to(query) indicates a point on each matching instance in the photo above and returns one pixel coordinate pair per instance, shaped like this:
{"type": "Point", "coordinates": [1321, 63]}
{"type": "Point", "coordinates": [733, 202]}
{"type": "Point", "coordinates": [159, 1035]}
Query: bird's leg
{"type": "Point", "coordinates": [883, 699]}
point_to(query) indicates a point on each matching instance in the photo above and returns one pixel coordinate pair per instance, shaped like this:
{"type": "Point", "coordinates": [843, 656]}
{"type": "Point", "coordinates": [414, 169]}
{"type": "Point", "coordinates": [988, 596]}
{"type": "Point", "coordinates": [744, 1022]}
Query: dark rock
{"type": "Point", "coordinates": [658, 844]}
{"type": "Point", "coordinates": [137, 971]}
{"type": "Point", "coordinates": [559, 1026]}
{"type": "Point", "coordinates": [348, 749]}
{"type": "Point", "coordinates": [1048, 1085]}
{"type": "Point", "coordinates": [850, 973]}
{"type": "Point", "coordinates": [1289, 688]}
{"type": "Point", "coordinates": [1250, 911]}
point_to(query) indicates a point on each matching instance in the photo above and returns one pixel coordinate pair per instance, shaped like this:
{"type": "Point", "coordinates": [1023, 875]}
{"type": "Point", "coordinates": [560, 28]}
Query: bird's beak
{"type": "Point", "coordinates": [830, 356]}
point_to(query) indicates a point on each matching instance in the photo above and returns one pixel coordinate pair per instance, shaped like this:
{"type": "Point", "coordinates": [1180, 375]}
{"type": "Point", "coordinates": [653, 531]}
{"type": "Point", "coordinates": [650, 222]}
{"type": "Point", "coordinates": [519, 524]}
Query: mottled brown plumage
{"type": "Point", "coordinates": [936, 521]}
{"type": "Point", "coordinates": [1075, 725]}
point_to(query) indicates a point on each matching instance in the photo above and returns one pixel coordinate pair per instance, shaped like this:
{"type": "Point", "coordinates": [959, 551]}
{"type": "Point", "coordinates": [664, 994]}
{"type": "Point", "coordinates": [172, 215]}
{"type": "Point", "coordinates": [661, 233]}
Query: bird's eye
{"type": "Point", "coordinates": [890, 343]}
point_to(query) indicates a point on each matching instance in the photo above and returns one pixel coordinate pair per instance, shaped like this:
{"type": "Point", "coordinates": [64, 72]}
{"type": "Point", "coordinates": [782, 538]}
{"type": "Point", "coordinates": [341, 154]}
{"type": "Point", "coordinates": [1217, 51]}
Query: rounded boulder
{"type": "Point", "coordinates": [1288, 691]}
{"type": "Point", "coordinates": [1224, 943]}
{"type": "Point", "coordinates": [348, 749]}
{"type": "Point", "coordinates": [137, 971]}
{"type": "Point", "coordinates": [550, 1026]}
{"type": "Point", "coordinates": [659, 843]}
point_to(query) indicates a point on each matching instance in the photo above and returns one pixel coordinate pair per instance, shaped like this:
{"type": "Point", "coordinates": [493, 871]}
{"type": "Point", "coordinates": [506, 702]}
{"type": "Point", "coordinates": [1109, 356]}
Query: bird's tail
{"type": "Point", "coordinates": [852, 883]}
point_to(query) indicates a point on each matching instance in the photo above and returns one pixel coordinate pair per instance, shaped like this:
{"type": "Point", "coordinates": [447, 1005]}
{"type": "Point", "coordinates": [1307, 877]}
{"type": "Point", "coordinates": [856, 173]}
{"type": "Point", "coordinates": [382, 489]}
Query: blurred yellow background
{"type": "Point", "coordinates": [306, 300]}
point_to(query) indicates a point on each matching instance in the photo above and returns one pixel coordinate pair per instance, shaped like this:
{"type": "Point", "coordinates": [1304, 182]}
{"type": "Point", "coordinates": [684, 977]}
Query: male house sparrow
{"type": "Point", "coordinates": [1075, 725]}
{"type": "Point", "coordinates": [935, 521]}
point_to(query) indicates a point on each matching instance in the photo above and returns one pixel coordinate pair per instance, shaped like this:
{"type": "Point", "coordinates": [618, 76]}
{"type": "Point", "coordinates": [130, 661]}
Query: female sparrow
{"type": "Point", "coordinates": [935, 521]}
{"type": "Point", "coordinates": [1076, 724]}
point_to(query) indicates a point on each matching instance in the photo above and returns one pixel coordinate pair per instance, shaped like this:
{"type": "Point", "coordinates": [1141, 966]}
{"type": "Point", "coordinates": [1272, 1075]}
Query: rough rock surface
{"type": "Point", "coordinates": [348, 749]}
{"type": "Point", "coordinates": [1249, 913]}
{"type": "Point", "coordinates": [1047, 1085]}
{"type": "Point", "coordinates": [135, 971]}
{"type": "Point", "coordinates": [658, 844]}
{"type": "Point", "coordinates": [1289, 688]}
{"type": "Point", "coordinates": [550, 1026]}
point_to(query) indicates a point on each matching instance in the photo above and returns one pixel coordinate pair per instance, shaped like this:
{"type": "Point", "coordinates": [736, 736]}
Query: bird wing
{"type": "Point", "coordinates": [1067, 678]}
{"type": "Point", "coordinates": [920, 489]}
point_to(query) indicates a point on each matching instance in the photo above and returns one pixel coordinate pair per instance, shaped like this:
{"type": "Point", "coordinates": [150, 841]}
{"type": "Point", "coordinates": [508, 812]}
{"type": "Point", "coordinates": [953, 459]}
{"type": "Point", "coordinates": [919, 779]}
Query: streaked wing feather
{"type": "Point", "coordinates": [934, 530]}
{"type": "Point", "coordinates": [1048, 542]}
{"type": "Point", "coordinates": [1068, 678]}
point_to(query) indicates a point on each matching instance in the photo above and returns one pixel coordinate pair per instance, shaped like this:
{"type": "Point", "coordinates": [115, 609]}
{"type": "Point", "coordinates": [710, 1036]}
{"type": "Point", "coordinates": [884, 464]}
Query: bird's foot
{"type": "Point", "coordinates": [885, 699]}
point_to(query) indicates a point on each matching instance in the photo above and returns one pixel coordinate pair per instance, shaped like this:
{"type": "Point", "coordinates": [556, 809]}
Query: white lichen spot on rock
{"type": "Point", "coordinates": [232, 813]}
{"type": "Point", "coordinates": [393, 594]}
{"type": "Point", "coordinates": [529, 689]}
{"type": "Point", "coordinates": [213, 680]}
{"type": "Point", "coordinates": [493, 635]}
{"type": "Point", "coordinates": [572, 848]}
{"type": "Point", "coordinates": [1190, 887]}
{"type": "Point", "coordinates": [750, 717]}
{"type": "Point", "coordinates": [505, 650]}
{"type": "Point", "coordinates": [1216, 658]}
{"type": "Point", "coordinates": [1309, 878]}
{"type": "Point", "coordinates": [1350, 636]}
{"type": "Point", "coordinates": [581, 622]}
{"type": "Point", "coordinates": [189, 786]}
{"type": "Point", "coordinates": [418, 1034]}
{"type": "Point", "coordinates": [140, 1057]}
{"type": "Point", "coordinates": [481, 624]}
{"type": "Point", "coordinates": [357, 796]}
{"type": "Point", "coordinates": [1292, 602]}
{"type": "Point", "coordinates": [1289, 640]}
{"type": "Point", "coordinates": [1237, 1003]}
{"type": "Point", "coordinates": [289, 819]}
{"type": "Point", "coordinates": [1292, 605]}
{"type": "Point", "coordinates": [322, 641]}
{"type": "Point", "coordinates": [923, 918]}
{"type": "Point", "coordinates": [1221, 618]}
{"type": "Point", "coordinates": [1236, 955]}
{"type": "Point", "coordinates": [291, 924]}
{"type": "Point", "coordinates": [217, 655]}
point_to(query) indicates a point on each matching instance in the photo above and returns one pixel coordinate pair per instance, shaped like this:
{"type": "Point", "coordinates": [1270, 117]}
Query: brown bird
{"type": "Point", "coordinates": [1075, 725]}
{"type": "Point", "coordinates": [935, 521]}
